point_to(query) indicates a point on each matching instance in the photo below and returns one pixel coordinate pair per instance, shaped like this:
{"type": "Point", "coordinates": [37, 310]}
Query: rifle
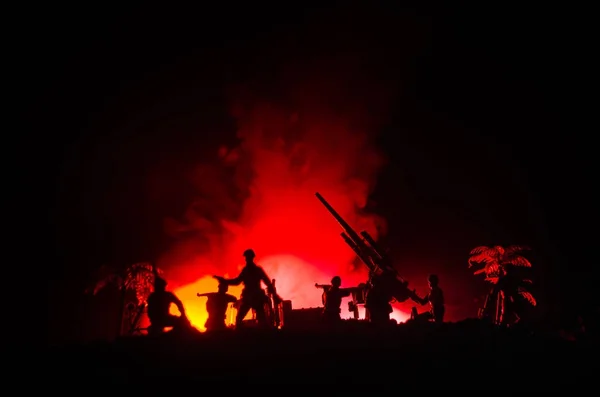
{"type": "Point", "coordinates": [377, 261]}
{"type": "Point", "coordinates": [276, 306]}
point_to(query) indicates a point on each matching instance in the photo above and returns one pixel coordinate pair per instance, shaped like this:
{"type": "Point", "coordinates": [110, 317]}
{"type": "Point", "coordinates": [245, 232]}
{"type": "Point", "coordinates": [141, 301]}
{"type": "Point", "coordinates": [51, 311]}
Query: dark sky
{"type": "Point", "coordinates": [483, 125]}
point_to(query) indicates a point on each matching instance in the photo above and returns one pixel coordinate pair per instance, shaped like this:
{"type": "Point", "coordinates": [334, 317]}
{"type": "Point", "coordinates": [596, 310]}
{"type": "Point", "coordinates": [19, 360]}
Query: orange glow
{"type": "Point", "coordinates": [296, 278]}
{"type": "Point", "coordinates": [195, 307]}
{"type": "Point", "coordinates": [259, 194]}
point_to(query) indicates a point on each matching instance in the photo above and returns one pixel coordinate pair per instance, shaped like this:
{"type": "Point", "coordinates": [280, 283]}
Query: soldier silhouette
{"type": "Point", "coordinates": [377, 300]}
{"type": "Point", "coordinates": [159, 302]}
{"type": "Point", "coordinates": [435, 298]}
{"type": "Point", "coordinates": [216, 306]}
{"type": "Point", "coordinates": [253, 296]}
{"type": "Point", "coordinates": [332, 299]}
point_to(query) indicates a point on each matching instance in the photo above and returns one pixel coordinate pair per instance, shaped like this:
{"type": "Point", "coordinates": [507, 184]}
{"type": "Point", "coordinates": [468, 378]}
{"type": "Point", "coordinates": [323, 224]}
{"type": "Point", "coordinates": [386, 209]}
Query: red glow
{"type": "Point", "coordinates": [295, 277]}
{"type": "Point", "coordinates": [260, 195]}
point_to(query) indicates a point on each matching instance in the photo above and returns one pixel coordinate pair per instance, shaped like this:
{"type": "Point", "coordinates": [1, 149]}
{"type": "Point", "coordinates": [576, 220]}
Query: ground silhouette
{"type": "Point", "coordinates": [465, 356]}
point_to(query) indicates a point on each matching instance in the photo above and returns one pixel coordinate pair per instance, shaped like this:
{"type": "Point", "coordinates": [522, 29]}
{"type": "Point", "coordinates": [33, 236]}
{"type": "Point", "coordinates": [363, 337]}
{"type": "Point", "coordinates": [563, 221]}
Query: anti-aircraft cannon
{"type": "Point", "coordinates": [385, 285]}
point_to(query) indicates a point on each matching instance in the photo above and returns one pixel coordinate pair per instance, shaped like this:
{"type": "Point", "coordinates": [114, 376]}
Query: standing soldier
{"type": "Point", "coordinates": [253, 296]}
{"type": "Point", "coordinates": [435, 298]}
{"type": "Point", "coordinates": [378, 298]}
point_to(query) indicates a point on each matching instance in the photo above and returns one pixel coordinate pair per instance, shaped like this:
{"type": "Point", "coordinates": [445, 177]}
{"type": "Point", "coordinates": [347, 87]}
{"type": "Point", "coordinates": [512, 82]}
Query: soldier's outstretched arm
{"type": "Point", "coordinates": [418, 299]}
{"type": "Point", "coordinates": [231, 298]}
{"type": "Point", "coordinates": [347, 291]}
{"type": "Point", "coordinates": [425, 300]}
{"type": "Point", "coordinates": [230, 281]}
{"type": "Point", "coordinates": [178, 304]}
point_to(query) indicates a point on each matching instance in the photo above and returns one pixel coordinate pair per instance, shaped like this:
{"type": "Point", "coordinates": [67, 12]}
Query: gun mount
{"type": "Point", "coordinates": [275, 307]}
{"type": "Point", "coordinates": [377, 261]}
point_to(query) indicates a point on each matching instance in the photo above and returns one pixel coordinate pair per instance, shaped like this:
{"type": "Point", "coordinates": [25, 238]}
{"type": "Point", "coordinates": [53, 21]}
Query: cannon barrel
{"type": "Point", "coordinates": [365, 247]}
{"type": "Point", "coordinates": [363, 250]}
{"type": "Point", "coordinates": [345, 226]}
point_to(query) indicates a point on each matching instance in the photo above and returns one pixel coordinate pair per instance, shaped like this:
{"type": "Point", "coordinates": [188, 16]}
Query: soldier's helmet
{"type": "Point", "coordinates": [223, 287]}
{"type": "Point", "coordinates": [249, 254]}
{"type": "Point", "coordinates": [433, 279]}
{"type": "Point", "coordinates": [160, 283]}
{"type": "Point", "coordinates": [336, 281]}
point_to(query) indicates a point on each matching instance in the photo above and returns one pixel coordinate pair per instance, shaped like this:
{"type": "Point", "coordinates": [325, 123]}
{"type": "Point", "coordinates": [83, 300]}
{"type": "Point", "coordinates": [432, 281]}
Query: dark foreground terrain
{"type": "Point", "coordinates": [467, 356]}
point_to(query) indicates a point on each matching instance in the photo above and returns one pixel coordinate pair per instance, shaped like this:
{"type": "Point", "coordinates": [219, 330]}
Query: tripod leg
{"type": "Point", "coordinates": [483, 310]}
{"type": "Point", "coordinates": [134, 327]}
{"type": "Point", "coordinates": [487, 306]}
{"type": "Point", "coordinates": [499, 308]}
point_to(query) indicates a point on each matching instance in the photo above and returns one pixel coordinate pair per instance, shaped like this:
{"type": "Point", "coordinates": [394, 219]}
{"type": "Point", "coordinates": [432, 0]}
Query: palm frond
{"type": "Point", "coordinates": [527, 296]}
{"type": "Point", "coordinates": [105, 276]}
{"type": "Point", "coordinates": [112, 279]}
{"type": "Point", "coordinates": [138, 277]}
{"type": "Point", "coordinates": [517, 260]}
{"type": "Point", "coordinates": [494, 268]}
{"type": "Point", "coordinates": [481, 258]}
{"type": "Point", "coordinates": [478, 250]}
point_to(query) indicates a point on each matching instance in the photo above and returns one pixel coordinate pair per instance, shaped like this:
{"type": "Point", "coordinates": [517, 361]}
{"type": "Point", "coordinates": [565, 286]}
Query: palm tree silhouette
{"type": "Point", "coordinates": [495, 263]}
{"type": "Point", "coordinates": [137, 278]}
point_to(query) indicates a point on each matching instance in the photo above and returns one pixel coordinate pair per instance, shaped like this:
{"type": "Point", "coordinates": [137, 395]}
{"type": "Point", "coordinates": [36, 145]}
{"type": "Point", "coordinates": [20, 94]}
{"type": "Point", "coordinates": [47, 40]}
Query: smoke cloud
{"type": "Point", "coordinates": [309, 130]}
